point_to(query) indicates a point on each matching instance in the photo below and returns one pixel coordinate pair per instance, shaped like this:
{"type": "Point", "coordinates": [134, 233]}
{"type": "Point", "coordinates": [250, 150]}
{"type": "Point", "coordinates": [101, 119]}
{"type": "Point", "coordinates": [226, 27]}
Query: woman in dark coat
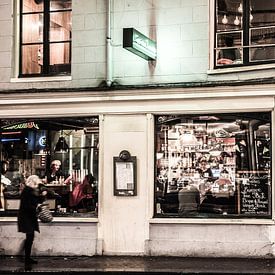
{"type": "Point", "coordinates": [27, 218]}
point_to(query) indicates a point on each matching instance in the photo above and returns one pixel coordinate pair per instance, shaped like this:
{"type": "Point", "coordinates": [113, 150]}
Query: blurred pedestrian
{"type": "Point", "coordinates": [27, 218]}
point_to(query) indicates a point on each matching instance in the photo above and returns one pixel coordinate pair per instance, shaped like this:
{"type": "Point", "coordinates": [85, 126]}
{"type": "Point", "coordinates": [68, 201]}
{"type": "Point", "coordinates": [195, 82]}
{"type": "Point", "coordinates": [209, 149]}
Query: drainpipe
{"type": "Point", "coordinates": [109, 63]}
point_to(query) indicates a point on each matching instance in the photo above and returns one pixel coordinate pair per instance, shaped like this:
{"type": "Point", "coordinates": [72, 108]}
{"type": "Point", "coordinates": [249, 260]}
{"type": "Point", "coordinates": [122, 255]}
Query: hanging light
{"type": "Point", "coordinates": [240, 8]}
{"type": "Point", "coordinates": [251, 17]}
{"type": "Point", "coordinates": [237, 21]}
{"type": "Point", "coordinates": [61, 145]}
{"type": "Point", "coordinates": [188, 139]}
{"type": "Point", "coordinates": [224, 20]}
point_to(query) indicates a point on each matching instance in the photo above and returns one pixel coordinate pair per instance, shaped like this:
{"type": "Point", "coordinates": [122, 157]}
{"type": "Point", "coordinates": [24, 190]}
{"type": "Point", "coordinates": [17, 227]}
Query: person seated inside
{"type": "Point", "coordinates": [55, 174]}
{"type": "Point", "coordinates": [4, 183]}
{"type": "Point", "coordinates": [4, 168]}
{"type": "Point", "coordinates": [204, 169]}
{"type": "Point", "coordinates": [83, 195]}
{"type": "Point", "coordinates": [189, 199]}
{"type": "Point", "coordinates": [224, 182]}
{"type": "Point", "coordinates": [228, 56]}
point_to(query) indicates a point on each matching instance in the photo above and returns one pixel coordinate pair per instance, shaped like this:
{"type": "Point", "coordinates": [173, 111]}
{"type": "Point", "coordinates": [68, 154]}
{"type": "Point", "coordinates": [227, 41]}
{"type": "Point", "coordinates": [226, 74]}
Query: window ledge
{"type": "Point", "coordinates": [240, 69]}
{"type": "Point", "coordinates": [57, 219]}
{"type": "Point", "coordinates": [41, 79]}
{"type": "Point", "coordinates": [211, 221]}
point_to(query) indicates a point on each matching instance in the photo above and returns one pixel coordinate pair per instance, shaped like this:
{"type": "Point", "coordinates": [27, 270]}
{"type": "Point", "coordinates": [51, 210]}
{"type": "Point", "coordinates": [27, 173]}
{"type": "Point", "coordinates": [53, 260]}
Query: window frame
{"type": "Point", "coordinates": [46, 43]}
{"type": "Point", "coordinates": [246, 45]}
{"type": "Point", "coordinates": [217, 218]}
{"type": "Point", "coordinates": [86, 159]}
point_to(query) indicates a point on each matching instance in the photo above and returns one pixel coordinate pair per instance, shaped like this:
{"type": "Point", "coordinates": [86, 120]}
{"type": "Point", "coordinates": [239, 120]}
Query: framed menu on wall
{"type": "Point", "coordinates": [125, 175]}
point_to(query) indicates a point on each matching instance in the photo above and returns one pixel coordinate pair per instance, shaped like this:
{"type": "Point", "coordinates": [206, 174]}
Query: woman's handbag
{"type": "Point", "coordinates": [44, 213]}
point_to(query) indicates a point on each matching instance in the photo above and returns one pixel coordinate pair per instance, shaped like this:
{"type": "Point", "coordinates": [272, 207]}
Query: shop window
{"type": "Point", "coordinates": [45, 41]}
{"type": "Point", "coordinates": [63, 152]}
{"type": "Point", "coordinates": [245, 32]}
{"type": "Point", "coordinates": [216, 165]}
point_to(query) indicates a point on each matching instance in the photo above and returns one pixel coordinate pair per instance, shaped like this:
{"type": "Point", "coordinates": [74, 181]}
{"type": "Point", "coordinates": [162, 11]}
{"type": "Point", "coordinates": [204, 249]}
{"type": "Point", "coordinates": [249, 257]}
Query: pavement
{"type": "Point", "coordinates": [136, 265]}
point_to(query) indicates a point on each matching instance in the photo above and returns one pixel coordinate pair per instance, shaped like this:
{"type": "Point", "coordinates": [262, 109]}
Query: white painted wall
{"type": "Point", "coordinates": [215, 240]}
{"type": "Point", "coordinates": [123, 222]}
{"type": "Point", "coordinates": [55, 239]}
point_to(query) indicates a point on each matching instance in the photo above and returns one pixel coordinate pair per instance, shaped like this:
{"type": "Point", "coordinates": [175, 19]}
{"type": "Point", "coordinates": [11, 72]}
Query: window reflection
{"type": "Point", "coordinates": [54, 55]}
{"type": "Point", "coordinates": [250, 23]}
{"type": "Point", "coordinates": [213, 165]}
{"type": "Point", "coordinates": [70, 176]}
{"type": "Point", "coordinates": [60, 5]}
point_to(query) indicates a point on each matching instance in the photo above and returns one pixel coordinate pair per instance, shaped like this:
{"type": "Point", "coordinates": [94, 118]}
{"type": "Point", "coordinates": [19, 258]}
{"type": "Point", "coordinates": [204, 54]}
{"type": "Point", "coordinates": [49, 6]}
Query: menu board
{"type": "Point", "coordinates": [255, 194]}
{"type": "Point", "coordinates": [125, 177]}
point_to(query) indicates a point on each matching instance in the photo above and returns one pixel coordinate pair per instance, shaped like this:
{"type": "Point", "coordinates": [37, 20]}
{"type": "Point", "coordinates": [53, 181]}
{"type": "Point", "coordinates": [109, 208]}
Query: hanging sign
{"type": "Point", "coordinates": [139, 44]}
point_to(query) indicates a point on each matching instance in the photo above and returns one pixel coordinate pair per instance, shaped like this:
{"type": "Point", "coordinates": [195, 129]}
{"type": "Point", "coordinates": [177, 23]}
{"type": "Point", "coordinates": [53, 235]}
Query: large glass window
{"type": "Point", "coordinates": [244, 32]}
{"type": "Point", "coordinates": [63, 152]}
{"type": "Point", "coordinates": [215, 165]}
{"type": "Point", "coordinates": [45, 37]}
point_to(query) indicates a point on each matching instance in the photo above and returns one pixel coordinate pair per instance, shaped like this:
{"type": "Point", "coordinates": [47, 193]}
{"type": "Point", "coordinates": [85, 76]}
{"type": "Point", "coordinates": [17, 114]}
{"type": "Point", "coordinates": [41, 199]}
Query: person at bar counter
{"type": "Point", "coordinates": [228, 56]}
{"type": "Point", "coordinates": [55, 174]}
{"type": "Point", "coordinates": [204, 170]}
{"type": "Point", "coordinates": [4, 182]}
{"type": "Point", "coordinates": [189, 199]}
{"type": "Point", "coordinates": [27, 216]}
{"type": "Point", "coordinates": [83, 193]}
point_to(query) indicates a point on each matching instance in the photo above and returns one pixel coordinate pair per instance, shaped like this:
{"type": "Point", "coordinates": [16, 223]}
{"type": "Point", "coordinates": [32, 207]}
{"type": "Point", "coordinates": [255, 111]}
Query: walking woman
{"type": "Point", "coordinates": [27, 219]}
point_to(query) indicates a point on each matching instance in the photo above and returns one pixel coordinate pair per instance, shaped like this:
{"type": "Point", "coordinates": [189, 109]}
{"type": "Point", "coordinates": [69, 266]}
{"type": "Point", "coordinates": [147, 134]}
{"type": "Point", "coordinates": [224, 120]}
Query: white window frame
{"type": "Point", "coordinates": [212, 34]}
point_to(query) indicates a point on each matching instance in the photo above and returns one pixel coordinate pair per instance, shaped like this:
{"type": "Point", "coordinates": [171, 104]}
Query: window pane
{"type": "Point", "coordinates": [32, 59]}
{"type": "Point", "coordinates": [69, 177]}
{"type": "Point", "coordinates": [32, 28]}
{"type": "Point", "coordinates": [32, 5]}
{"type": "Point", "coordinates": [213, 165]}
{"type": "Point", "coordinates": [60, 26]}
{"type": "Point", "coordinates": [265, 37]}
{"type": "Point", "coordinates": [229, 48]}
{"type": "Point", "coordinates": [229, 15]}
{"type": "Point", "coordinates": [60, 4]}
{"type": "Point", "coordinates": [262, 13]}
{"type": "Point", "coordinates": [60, 58]}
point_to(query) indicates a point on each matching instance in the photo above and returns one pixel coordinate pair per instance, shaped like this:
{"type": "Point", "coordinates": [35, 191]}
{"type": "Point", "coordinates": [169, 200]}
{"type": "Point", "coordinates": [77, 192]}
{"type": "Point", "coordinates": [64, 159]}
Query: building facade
{"type": "Point", "coordinates": [160, 113]}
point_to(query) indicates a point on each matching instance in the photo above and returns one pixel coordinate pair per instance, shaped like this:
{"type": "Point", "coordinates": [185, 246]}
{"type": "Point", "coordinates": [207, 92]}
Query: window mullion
{"type": "Point", "coordinates": [21, 37]}
{"type": "Point", "coordinates": [246, 31]}
{"type": "Point", "coordinates": [46, 30]}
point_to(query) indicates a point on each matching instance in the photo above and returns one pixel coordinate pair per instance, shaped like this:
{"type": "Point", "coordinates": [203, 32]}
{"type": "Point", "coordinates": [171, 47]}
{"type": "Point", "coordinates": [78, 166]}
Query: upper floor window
{"type": "Point", "coordinates": [245, 32]}
{"type": "Point", "coordinates": [45, 37]}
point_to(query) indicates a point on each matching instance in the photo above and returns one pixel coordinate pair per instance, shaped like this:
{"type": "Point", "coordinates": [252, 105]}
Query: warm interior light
{"type": "Point", "coordinates": [251, 17]}
{"type": "Point", "coordinates": [237, 21]}
{"type": "Point", "coordinates": [224, 20]}
{"type": "Point", "coordinates": [188, 139]}
{"type": "Point", "coordinates": [240, 8]}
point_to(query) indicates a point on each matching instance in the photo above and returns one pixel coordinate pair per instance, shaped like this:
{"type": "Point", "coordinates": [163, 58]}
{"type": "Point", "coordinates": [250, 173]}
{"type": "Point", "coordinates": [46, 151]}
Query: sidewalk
{"type": "Point", "coordinates": [138, 265]}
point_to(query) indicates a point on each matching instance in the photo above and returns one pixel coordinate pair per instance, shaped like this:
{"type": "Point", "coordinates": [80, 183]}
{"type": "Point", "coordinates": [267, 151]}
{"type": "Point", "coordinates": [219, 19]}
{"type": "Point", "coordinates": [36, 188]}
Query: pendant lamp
{"type": "Point", "coordinates": [61, 146]}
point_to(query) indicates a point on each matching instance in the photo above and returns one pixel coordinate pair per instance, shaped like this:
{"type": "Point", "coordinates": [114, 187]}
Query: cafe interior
{"type": "Point", "coordinates": [235, 150]}
{"type": "Point", "coordinates": [30, 146]}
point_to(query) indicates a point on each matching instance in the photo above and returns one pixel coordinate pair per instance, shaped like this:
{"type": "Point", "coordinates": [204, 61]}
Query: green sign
{"type": "Point", "coordinates": [139, 44]}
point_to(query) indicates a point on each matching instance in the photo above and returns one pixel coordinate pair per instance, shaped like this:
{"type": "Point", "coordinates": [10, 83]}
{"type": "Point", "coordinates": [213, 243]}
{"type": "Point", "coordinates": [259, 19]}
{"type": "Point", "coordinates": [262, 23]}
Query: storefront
{"type": "Point", "coordinates": [214, 154]}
